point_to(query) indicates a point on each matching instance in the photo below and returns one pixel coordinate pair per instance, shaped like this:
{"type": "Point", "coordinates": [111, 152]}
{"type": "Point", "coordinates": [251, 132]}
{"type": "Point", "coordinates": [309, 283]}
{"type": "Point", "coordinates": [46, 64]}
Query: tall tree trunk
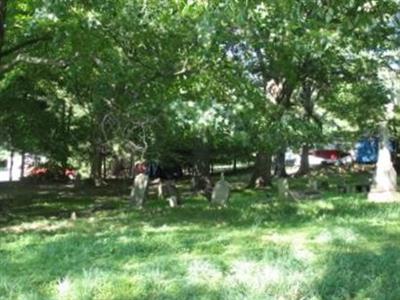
{"type": "Point", "coordinates": [11, 165]}
{"type": "Point", "coordinates": [396, 158]}
{"type": "Point", "coordinates": [280, 168]}
{"type": "Point", "coordinates": [304, 162]}
{"type": "Point", "coordinates": [201, 181]}
{"type": "Point", "coordinates": [262, 170]}
{"type": "Point", "coordinates": [22, 165]}
{"type": "Point", "coordinates": [131, 165]}
{"type": "Point", "coordinates": [234, 165]}
{"type": "Point", "coordinates": [96, 165]}
{"type": "Point", "coordinates": [96, 153]}
{"type": "Point", "coordinates": [3, 13]}
{"type": "Point", "coordinates": [65, 132]}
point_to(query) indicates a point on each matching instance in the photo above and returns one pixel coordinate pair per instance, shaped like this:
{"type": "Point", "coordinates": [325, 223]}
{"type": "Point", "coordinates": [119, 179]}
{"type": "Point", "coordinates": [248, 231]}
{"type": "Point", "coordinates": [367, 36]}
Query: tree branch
{"type": "Point", "coordinates": [23, 45]}
{"type": "Point", "coordinates": [30, 60]}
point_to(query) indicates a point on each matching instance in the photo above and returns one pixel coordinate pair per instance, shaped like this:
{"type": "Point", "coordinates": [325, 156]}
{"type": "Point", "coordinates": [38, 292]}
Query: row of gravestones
{"type": "Point", "coordinates": [167, 190]}
{"type": "Point", "coordinates": [285, 193]}
{"type": "Point", "coordinates": [221, 191]}
{"type": "Point", "coordinates": [313, 191]}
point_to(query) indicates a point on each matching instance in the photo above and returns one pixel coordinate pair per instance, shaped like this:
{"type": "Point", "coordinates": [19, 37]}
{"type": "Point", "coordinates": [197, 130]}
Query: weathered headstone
{"type": "Point", "coordinates": [313, 185]}
{"type": "Point", "coordinates": [259, 183]}
{"type": "Point", "coordinates": [384, 187]}
{"type": "Point", "coordinates": [160, 188]}
{"type": "Point", "coordinates": [283, 189]}
{"type": "Point", "coordinates": [139, 190]}
{"type": "Point", "coordinates": [168, 190]}
{"type": "Point", "coordinates": [173, 196]}
{"type": "Point", "coordinates": [221, 192]}
{"type": "Point", "coordinates": [202, 185]}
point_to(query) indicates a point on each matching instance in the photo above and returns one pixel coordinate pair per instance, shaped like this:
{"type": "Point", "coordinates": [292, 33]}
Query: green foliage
{"type": "Point", "coordinates": [141, 77]}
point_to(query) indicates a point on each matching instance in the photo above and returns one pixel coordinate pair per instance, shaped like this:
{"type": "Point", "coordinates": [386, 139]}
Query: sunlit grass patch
{"type": "Point", "coordinates": [257, 248]}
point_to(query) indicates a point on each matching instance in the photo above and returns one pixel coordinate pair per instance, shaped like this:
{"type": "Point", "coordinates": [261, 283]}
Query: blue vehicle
{"type": "Point", "coordinates": [367, 150]}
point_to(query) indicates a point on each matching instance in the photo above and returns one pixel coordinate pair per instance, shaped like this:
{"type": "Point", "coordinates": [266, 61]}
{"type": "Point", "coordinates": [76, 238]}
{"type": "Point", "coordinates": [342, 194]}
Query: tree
{"type": "Point", "coordinates": [291, 44]}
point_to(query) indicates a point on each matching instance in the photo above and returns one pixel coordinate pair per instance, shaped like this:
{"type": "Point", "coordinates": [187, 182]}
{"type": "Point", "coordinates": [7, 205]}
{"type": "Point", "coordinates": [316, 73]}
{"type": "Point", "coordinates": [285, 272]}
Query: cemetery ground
{"type": "Point", "coordinates": [338, 246]}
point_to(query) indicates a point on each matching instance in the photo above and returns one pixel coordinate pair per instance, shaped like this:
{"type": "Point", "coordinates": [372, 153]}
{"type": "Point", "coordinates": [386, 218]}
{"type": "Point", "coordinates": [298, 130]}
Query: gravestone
{"type": "Point", "coordinates": [168, 190]}
{"type": "Point", "coordinates": [259, 183]}
{"type": "Point", "coordinates": [139, 190]}
{"type": "Point", "coordinates": [172, 194]}
{"type": "Point", "coordinates": [384, 187]}
{"type": "Point", "coordinates": [221, 192]}
{"type": "Point", "coordinates": [160, 188]}
{"type": "Point", "coordinates": [313, 185]}
{"type": "Point", "coordinates": [202, 185]}
{"type": "Point", "coordinates": [283, 189]}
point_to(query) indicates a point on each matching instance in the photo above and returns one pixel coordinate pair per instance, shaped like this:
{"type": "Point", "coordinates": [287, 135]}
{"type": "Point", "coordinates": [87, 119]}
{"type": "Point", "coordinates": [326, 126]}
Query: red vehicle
{"type": "Point", "coordinates": [330, 156]}
{"type": "Point", "coordinates": [51, 172]}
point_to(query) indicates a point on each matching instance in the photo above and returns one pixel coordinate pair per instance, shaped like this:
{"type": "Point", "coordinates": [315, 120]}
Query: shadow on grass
{"type": "Point", "coordinates": [74, 253]}
{"type": "Point", "coordinates": [153, 241]}
{"type": "Point", "coordinates": [152, 256]}
{"type": "Point", "coordinates": [256, 210]}
{"type": "Point", "coordinates": [29, 202]}
{"type": "Point", "coordinates": [365, 267]}
{"type": "Point", "coordinates": [246, 208]}
{"type": "Point", "coordinates": [362, 274]}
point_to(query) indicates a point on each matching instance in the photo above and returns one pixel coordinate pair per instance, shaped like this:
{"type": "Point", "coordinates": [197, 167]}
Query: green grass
{"type": "Point", "coordinates": [339, 247]}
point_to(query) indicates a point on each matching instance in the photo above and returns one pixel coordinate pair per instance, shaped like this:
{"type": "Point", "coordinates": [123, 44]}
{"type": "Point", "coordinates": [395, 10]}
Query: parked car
{"type": "Point", "coordinates": [329, 156]}
{"type": "Point", "coordinates": [50, 172]}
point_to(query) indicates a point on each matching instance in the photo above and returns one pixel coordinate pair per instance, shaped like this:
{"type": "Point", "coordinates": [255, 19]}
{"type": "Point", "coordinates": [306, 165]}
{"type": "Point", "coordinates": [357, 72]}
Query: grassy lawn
{"type": "Point", "coordinates": [338, 247]}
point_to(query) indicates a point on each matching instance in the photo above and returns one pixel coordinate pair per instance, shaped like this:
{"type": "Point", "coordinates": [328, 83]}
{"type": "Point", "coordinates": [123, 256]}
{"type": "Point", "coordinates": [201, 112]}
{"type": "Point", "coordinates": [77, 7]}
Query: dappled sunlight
{"type": "Point", "coordinates": [303, 254]}
{"type": "Point", "coordinates": [164, 228]}
{"type": "Point", "coordinates": [204, 272]}
{"type": "Point", "coordinates": [253, 248]}
{"type": "Point", "coordinates": [253, 275]}
{"type": "Point", "coordinates": [299, 243]}
{"type": "Point", "coordinates": [342, 234]}
{"type": "Point", "coordinates": [361, 273]}
{"type": "Point", "coordinates": [319, 205]}
{"type": "Point", "coordinates": [63, 287]}
{"type": "Point", "coordinates": [38, 226]}
{"type": "Point", "coordinates": [89, 283]}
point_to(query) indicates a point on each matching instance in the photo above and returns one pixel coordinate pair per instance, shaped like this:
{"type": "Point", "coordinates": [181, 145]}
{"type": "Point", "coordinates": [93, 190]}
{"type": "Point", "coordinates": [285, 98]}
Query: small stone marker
{"type": "Point", "coordinates": [283, 189]}
{"type": "Point", "coordinates": [160, 188]}
{"type": "Point", "coordinates": [313, 184]}
{"type": "Point", "coordinates": [260, 182]}
{"type": "Point", "coordinates": [173, 201]}
{"type": "Point", "coordinates": [73, 216]}
{"type": "Point", "coordinates": [220, 193]}
{"type": "Point", "coordinates": [170, 193]}
{"type": "Point", "coordinates": [139, 190]}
